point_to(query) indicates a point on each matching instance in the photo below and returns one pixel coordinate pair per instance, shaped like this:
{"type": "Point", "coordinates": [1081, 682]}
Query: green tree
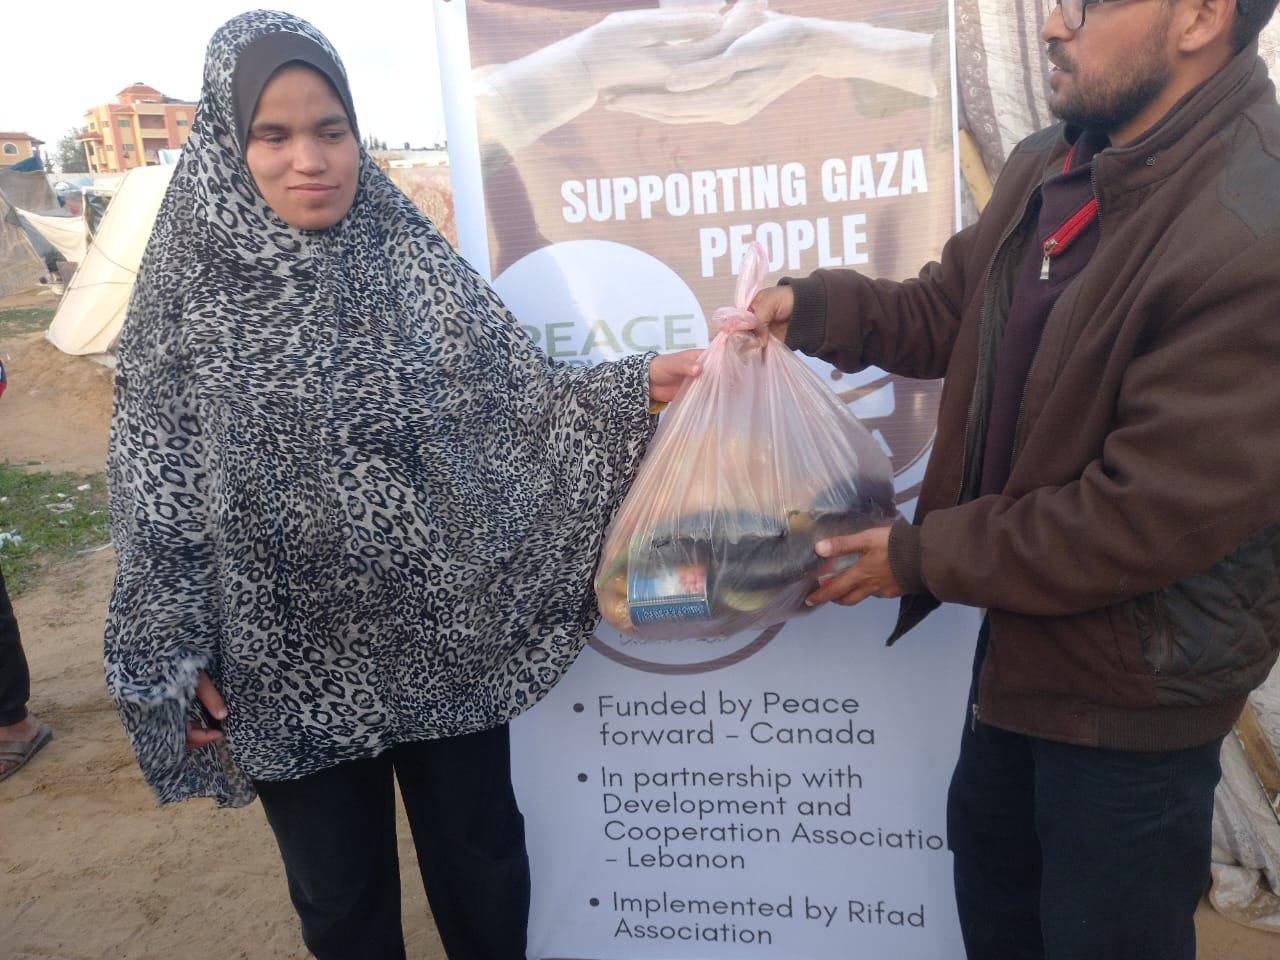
{"type": "Point", "coordinates": [71, 156]}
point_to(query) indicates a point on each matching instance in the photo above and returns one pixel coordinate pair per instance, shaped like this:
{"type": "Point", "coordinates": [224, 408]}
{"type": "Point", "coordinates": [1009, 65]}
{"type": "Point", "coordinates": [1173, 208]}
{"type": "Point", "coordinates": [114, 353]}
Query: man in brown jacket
{"type": "Point", "coordinates": [1105, 479]}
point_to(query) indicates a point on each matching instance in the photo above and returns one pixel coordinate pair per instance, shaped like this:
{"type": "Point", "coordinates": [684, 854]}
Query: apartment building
{"type": "Point", "coordinates": [129, 132]}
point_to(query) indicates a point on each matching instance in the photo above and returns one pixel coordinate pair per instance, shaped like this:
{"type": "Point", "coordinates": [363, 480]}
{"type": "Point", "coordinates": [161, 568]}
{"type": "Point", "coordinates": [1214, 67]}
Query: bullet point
{"type": "Point", "coordinates": [582, 778]}
{"type": "Point", "coordinates": [578, 708]}
{"type": "Point", "coordinates": [594, 902]}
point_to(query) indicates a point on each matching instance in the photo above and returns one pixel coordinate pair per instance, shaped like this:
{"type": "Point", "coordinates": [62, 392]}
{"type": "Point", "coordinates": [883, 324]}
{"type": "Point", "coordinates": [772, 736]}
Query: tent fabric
{"type": "Point", "coordinates": [1246, 828]}
{"type": "Point", "coordinates": [93, 308]}
{"type": "Point", "coordinates": [21, 267]}
{"type": "Point", "coordinates": [106, 183]}
{"type": "Point", "coordinates": [28, 191]}
{"type": "Point", "coordinates": [65, 233]}
{"type": "Point", "coordinates": [95, 209]}
{"type": "Point", "coordinates": [1001, 74]}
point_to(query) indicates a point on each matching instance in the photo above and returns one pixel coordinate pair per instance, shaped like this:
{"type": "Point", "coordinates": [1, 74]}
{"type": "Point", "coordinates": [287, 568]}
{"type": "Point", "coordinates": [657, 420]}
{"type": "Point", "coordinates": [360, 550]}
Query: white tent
{"type": "Point", "coordinates": [66, 233]}
{"type": "Point", "coordinates": [93, 308]}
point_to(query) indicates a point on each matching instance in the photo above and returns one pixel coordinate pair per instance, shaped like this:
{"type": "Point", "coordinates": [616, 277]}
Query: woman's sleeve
{"type": "Point", "coordinates": [593, 423]}
{"type": "Point", "coordinates": [163, 619]}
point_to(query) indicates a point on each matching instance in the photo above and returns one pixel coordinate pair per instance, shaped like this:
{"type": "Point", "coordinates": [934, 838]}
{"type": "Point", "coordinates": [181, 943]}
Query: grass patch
{"type": "Point", "coordinates": [18, 320]}
{"type": "Point", "coordinates": [45, 519]}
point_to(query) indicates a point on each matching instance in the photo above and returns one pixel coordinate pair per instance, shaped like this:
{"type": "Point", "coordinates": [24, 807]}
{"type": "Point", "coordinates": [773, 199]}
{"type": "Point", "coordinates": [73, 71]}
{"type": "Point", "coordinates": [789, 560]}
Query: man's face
{"type": "Point", "coordinates": [1113, 67]}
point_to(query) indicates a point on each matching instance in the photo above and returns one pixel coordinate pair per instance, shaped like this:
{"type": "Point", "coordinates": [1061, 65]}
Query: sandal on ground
{"type": "Point", "coordinates": [15, 753]}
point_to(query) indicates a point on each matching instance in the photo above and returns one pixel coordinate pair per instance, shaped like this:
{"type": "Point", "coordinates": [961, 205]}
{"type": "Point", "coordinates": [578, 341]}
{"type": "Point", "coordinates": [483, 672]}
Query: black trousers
{"type": "Point", "coordinates": [1078, 853]}
{"type": "Point", "coordinates": [15, 679]}
{"type": "Point", "coordinates": [337, 834]}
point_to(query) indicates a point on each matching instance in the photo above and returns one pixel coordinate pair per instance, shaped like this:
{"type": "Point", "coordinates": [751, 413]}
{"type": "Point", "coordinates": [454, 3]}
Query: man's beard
{"type": "Point", "coordinates": [1108, 103]}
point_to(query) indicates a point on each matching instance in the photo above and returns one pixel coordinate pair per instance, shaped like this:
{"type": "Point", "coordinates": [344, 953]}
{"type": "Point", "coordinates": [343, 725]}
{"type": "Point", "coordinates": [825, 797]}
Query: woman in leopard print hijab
{"type": "Point", "coordinates": [351, 496]}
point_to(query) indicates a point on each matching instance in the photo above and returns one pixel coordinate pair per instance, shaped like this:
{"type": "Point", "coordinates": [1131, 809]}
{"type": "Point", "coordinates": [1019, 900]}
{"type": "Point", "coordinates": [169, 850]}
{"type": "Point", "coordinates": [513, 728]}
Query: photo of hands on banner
{"type": "Point", "coordinates": [685, 63]}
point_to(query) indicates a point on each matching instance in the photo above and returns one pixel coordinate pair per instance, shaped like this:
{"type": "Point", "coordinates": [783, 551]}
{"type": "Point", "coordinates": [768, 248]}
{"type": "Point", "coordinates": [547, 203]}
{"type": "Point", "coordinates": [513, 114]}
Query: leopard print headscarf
{"type": "Point", "coordinates": [343, 481]}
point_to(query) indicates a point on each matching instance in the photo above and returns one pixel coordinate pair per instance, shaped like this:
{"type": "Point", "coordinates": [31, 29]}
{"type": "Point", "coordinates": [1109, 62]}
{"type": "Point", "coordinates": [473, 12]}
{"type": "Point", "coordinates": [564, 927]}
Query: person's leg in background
{"type": "Point", "coordinates": [469, 835]}
{"type": "Point", "coordinates": [21, 735]}
{"type": "Point", "coordinates": [336, 830]}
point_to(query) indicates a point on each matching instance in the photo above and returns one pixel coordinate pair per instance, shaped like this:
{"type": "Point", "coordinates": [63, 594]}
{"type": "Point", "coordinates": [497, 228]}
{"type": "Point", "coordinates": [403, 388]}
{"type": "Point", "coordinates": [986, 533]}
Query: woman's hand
{"type": "Point", "coordinates": [208, 695]}
{"type": "Point", "coordinates": [669, 371]}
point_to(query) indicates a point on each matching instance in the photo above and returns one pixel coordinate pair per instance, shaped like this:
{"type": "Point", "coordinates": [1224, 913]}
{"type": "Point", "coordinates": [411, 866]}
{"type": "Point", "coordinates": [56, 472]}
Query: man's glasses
{"type": "Point", "coordinates": [1073, 10]}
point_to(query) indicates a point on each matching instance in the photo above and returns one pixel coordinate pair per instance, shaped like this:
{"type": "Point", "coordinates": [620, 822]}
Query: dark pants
{"type": "Point", "coordinates": [1078, 853]}
{"type": "Point", "coordinates": [15, 679]}
{"type": "Point", "coordinates": [337, 834]}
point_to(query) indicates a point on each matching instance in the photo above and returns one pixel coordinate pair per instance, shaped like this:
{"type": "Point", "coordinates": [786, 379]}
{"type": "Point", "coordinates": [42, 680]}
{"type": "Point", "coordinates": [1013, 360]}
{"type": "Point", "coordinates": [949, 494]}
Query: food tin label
{"type": "Point", "coordinates": [676, 595]}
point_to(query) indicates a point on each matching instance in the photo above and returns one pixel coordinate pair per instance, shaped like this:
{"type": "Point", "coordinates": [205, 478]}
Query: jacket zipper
{"type": "Point", "coordinates": [982, 329]}
{"type": "Point", "coordinates": [977, 384]}
{"type": "Point", "coordinates": [1096, 203]}
{"type": "Point", "coordinates": [1163, 629]}
{"type": "Point", "coordinates": [1065, 235]}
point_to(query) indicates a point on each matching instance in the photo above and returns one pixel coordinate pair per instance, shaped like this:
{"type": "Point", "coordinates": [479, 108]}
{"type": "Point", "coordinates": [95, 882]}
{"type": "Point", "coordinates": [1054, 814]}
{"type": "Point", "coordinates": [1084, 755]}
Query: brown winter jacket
{"type": "Point", "coordinates": [1129, 567]}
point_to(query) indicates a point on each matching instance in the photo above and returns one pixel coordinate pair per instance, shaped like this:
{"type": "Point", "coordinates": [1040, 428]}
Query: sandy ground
{"type": "Point", "coordinates": [89, 866]}
{"type": "Point", "coordinates": [56, 408]}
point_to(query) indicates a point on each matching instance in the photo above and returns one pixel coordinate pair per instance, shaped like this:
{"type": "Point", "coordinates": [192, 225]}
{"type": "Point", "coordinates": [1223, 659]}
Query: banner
{"type": "Point", "coordinates": [779, 794]}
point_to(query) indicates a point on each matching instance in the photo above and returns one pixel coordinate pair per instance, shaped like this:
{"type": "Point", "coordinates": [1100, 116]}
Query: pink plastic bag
{"type": "Point", "coordinates": [754, 462]}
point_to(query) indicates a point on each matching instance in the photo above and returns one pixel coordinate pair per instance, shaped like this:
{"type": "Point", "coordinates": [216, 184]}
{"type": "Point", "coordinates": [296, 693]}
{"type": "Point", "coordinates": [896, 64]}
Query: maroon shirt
{"type": "Point", "coordinates": [1062, 197]}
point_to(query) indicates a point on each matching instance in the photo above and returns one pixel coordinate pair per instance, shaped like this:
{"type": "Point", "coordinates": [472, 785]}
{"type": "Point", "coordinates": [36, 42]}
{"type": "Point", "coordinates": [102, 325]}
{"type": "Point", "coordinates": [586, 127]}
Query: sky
{"type": "Point", "coordinates": [61, 59]}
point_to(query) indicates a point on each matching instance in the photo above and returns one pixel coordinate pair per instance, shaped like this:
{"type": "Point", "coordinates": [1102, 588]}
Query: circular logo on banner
{"type": "Point", "coordinates": [568, 298]}
{"type": "Point", "coordinates": [590, 300]}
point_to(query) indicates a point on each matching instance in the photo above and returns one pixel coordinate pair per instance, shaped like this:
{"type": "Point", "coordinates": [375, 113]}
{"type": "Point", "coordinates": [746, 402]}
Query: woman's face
{"type": "Point", "coordinates": [301, 150]}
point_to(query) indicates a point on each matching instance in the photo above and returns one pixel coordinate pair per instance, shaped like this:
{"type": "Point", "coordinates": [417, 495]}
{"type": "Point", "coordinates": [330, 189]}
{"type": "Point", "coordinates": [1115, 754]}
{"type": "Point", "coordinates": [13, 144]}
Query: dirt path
{"type": "Point", "coordinates": [56, 410]}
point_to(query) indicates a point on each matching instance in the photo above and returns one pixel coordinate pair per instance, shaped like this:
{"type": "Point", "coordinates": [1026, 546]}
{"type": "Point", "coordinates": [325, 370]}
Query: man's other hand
{"type": "Point", "coordinates": [869, 577]}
